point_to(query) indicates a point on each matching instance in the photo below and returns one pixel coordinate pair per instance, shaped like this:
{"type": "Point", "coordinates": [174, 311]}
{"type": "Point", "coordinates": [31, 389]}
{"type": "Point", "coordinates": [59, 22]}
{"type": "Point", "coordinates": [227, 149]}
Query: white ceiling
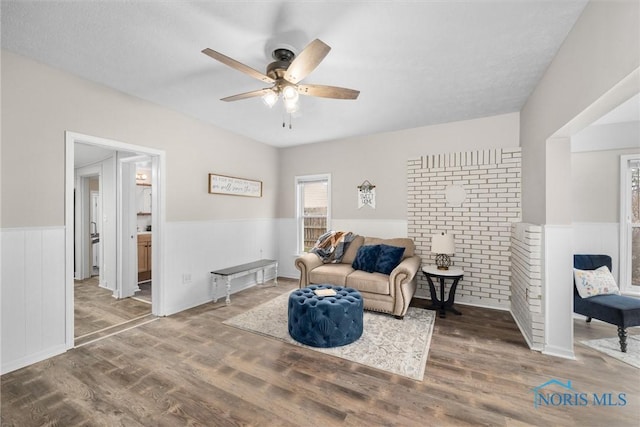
{"type": "Point", "coordinates": [416, 63]}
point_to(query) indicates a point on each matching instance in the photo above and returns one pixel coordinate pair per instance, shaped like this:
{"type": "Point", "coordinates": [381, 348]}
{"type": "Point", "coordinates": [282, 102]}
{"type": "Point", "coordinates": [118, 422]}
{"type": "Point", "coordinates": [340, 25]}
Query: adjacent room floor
{"type": "Point", "coordinates": [97, 313]}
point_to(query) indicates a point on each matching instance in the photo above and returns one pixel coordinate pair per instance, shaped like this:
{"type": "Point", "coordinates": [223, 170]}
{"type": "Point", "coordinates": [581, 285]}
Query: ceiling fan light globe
{"type": "Point", "coordinates": [270, 98]}
{"type": "Point", "coordinates": [289, 93]}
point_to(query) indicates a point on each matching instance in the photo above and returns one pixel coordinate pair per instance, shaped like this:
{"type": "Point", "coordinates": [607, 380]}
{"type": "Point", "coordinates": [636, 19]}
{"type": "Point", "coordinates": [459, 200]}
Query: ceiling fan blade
{"type": "Point", "coordinates": [237, 65]}
{"type": "Point", "coordinates": [306, 61]}
{"type": "Point", "coordinates": [328, 91]}
{"type": "Point", "coordinates": [246, 95]}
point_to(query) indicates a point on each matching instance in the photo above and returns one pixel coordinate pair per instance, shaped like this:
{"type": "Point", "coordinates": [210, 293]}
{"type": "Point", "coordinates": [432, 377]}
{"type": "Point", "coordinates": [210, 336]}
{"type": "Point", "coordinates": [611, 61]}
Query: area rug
{"type": "Point", "coordinates": [389, 344]}
{"type": "Point", "coordinates": [611, 347]}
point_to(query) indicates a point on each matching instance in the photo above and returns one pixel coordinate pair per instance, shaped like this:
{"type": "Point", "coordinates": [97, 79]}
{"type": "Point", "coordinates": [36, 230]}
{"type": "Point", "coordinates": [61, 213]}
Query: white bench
{"type": "Point", "coordinates": [236, 271]}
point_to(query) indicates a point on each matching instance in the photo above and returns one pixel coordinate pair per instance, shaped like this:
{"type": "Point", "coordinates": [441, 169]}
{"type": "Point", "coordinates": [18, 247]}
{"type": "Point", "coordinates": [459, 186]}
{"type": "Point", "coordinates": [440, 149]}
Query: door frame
{"type": "Point", "coordinates": [158, 202]}
{"type": "Point", "coordinates": [127, 271]}
{"type": "Point", "coordinates": [625, 251]}
{"type": "Point", "coordinates": [82, 220]}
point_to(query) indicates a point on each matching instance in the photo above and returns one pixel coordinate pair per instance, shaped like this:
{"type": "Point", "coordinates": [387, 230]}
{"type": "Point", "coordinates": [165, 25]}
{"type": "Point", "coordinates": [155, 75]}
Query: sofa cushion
{"type": "Point", "coordinates": [590, 283]}
{"type": "Point", "coordinates": [388, 259]}
{"type": "Point", "coordinates": [335, 274]}
{"type": "Point", "coordinates": [376, 283]}
{"type": "Point", "coordinates": [405, 242]}
{"type": "Point", "coordinates": [366, 258]}
{"type": "Point", "coordinates": [352, 250]}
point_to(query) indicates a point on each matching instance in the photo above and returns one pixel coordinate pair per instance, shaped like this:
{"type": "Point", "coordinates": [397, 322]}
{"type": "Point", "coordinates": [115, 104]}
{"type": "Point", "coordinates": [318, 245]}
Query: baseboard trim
{"type": "Point", "coordinates": [559, 352]}
{"type": "Point", "coordinates": [531, 345]}
{"type": "Point", "coordinates": [33, 358]}
{"type": "Point", "coordinates": [471, 304]}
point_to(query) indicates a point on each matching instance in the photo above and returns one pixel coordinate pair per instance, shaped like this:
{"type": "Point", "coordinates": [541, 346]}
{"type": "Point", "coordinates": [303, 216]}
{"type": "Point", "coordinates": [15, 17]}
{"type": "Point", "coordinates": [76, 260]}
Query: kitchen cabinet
{"type": "Point", "coordinates": [144, 257]}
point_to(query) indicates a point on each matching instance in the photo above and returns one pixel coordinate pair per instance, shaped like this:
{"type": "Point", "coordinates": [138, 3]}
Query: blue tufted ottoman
{"type": "Point", "coordinates": [325, 321]}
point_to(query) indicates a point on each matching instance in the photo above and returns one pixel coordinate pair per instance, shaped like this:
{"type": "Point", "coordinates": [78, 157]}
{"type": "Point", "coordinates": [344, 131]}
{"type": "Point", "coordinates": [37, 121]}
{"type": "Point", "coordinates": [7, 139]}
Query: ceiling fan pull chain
{"type": "Point", "coordinates": [290, 121]}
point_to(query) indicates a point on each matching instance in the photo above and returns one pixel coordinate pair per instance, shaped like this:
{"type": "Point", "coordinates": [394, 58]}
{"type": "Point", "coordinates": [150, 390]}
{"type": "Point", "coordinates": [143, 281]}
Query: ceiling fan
{"type": "Point", "coordinates": [285, 73]}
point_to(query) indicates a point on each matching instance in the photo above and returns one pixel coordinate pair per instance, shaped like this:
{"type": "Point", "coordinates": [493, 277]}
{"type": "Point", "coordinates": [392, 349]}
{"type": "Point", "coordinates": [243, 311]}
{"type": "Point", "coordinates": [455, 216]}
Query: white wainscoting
{"type": "Point", "coordinates": [558, 290]}
{"type": "Point", "coordinates": [287, 248]}
{"type": "Point", "coordinates": [197, 248]}
{"type": "Point", "coordinates": [598, 238]}
{"type": "Point", "coordinates": [33, 273]}
{"type": "Point", "coordinates": [33, 295]}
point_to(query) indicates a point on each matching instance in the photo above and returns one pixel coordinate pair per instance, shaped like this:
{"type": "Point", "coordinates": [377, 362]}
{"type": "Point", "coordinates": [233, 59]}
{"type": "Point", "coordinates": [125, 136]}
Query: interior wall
{"type": "Point", "coordinates": [595, 185]}
{"type": "Point", "coordinates": [601, 50]}
{"type": "Point", "coordinates": [481, 223]}
{"type": "Point", "coordinates": [41, 103]}
{"type": "Point", "coordinates": [382, 160]}
{"type": "Point", "coordinates": [58, 101]}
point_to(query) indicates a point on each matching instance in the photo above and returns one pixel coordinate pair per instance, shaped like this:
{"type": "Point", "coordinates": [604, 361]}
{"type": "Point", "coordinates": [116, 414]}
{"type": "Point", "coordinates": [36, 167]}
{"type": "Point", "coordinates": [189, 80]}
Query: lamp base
{"type": "Point", "coordinates": [443, 261]}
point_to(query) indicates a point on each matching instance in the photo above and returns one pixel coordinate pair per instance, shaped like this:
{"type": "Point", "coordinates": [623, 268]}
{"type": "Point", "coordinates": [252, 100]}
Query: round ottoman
{"type": "Point", "coordinates": [325, 321]}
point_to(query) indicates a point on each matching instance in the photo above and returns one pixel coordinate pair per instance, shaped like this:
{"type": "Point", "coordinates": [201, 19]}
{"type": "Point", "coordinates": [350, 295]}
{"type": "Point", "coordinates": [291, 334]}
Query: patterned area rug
{"type": "Point", "coordinates": [611, 347]}
{"type": "Point", "coordinates": [397, 346]}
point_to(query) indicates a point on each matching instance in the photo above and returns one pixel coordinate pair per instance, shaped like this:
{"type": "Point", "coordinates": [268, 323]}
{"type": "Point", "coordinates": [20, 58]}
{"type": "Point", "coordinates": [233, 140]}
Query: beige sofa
{"type": "Point", "coordinates": [386, 293]}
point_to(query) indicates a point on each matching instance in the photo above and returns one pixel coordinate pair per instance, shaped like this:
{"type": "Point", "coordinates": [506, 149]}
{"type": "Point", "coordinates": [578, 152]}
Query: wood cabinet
{"type": "Point", "coordinates": [144, 257]}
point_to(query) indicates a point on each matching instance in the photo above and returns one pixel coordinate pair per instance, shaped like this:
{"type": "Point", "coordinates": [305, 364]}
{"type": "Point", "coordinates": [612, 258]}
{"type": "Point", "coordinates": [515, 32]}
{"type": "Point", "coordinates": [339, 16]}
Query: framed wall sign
{"type": "Point", "coordinates": [366, 195]}
{"type": "Point", "coordinates": [221, 184]}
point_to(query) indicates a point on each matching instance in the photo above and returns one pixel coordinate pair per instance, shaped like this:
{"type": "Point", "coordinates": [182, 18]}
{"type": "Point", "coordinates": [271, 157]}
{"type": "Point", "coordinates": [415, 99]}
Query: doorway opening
{"type": "Point", "coordinates": [562, 233]}
{"type": "Point", "coordinates": [102, 224]}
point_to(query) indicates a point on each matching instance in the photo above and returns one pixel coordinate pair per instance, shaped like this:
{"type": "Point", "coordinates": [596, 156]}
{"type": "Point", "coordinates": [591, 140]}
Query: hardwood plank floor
{"type": "Point", "coordinates": [190, 369]}
{"type": "Point", "coordinates": [95, 308]}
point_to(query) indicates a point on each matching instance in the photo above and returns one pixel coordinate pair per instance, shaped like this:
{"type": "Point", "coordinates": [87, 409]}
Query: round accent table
{"type": "Point", "coordinates": [453, 273]}
{"type": "Point", "coordinates": [325, 321]}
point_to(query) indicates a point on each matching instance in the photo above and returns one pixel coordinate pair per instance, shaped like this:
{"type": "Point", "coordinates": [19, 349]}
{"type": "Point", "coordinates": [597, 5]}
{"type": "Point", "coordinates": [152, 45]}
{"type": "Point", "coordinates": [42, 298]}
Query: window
{"type": "Point", "coordinates": [630, 224]}
{"type": "Point", "coordinates": [313, 198]}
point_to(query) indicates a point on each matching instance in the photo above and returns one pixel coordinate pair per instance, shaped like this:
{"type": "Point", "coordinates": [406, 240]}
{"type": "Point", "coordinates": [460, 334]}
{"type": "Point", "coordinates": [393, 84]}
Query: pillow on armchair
{"type": "Point", "coordinates": [590, 283]}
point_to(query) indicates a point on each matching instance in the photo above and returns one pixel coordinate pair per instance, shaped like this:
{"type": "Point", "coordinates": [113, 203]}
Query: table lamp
{"type": "Point", "coordinates": [442, 245]}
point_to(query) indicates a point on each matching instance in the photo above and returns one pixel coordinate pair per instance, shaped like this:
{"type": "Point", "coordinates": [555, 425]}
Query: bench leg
{"type": "Point", "coordinates": [622, 334]}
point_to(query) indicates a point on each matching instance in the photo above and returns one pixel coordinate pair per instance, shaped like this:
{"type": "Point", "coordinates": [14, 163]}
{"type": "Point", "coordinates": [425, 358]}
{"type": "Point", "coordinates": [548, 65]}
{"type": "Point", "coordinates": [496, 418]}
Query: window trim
{"type": "Point", "coordinates": [300, 179]}
{"type": "Point", "coordinates": [625, 240]}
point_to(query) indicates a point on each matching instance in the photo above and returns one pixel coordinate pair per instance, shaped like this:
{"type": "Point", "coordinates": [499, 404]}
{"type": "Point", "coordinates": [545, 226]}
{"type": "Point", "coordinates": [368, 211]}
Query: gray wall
{"type": "Point", "coordinates": [382, 159]}
{"type": "Point", "coordinates": [595, 182]}
{"type": "Point", "coordinates": [40, 103]}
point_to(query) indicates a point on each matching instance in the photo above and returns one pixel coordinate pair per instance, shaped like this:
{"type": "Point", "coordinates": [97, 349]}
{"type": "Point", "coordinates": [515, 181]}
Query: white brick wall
{"type": "Point", "coordinates": [481, 225]}
{"type": "Point", "coordinates": [526, 279]}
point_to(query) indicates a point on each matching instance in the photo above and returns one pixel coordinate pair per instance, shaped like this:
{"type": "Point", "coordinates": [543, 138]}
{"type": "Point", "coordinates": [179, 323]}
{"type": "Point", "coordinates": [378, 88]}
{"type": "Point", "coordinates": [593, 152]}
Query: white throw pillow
{"type": "Point", "coordinates": [595, 282]}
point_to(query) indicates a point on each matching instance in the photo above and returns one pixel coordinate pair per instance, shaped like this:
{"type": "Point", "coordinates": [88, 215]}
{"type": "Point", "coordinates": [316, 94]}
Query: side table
{"type": "Point", "coordinates": [454, 273]}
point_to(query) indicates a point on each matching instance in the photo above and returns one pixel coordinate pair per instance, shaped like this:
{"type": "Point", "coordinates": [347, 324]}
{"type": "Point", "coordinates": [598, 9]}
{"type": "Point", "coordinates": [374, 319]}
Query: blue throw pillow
{"type": "Point", "coordinates": [366, 258]}
{"type": "Point", "coordinates": [388, 259]}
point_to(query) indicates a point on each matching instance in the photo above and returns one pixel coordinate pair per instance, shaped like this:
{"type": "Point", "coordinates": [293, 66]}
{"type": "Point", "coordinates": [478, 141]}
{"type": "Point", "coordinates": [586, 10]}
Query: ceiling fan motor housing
{"type": "Point", "coordinates": [283, 58]}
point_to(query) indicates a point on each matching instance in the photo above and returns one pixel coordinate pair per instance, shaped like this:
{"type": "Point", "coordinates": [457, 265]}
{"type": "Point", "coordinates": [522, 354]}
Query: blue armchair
{"type": "Point", "coordinates": [619, 310]}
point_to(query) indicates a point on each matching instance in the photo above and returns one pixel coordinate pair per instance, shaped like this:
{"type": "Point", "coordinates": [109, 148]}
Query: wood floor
{"type": "Point", "coordinates": [97, 313]}
{"type": "Point", "coordinates": [190, 369]}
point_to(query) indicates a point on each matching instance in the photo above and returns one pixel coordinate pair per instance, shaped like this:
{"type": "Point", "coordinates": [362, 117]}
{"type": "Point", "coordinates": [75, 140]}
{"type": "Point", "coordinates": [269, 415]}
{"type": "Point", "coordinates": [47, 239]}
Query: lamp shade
{"type": "Point", "coordinates": [443, 243]}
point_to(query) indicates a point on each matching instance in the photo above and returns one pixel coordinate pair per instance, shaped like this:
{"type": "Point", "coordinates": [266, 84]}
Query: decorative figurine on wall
{"type": "Point", "coordinates": [366, 195]}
